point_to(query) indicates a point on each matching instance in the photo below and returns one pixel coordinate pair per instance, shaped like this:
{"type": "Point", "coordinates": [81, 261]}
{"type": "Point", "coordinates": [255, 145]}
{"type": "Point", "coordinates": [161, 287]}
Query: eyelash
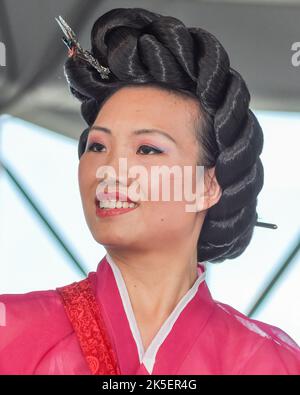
{"type": "Point", "coordinates": [158, 151]}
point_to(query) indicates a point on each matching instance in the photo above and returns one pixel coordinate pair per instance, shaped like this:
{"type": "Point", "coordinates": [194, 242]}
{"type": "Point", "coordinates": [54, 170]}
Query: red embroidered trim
{"type": "Point", "coordinates": [85, 315]}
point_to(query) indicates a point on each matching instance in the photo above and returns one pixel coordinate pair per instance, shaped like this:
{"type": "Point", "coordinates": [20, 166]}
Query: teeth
{"type": "Point", "coordinates": [116, 204]}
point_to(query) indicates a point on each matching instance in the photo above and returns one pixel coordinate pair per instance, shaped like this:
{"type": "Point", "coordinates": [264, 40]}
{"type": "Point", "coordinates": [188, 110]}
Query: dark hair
{"type": "Point", "coordinates": [141, 47]}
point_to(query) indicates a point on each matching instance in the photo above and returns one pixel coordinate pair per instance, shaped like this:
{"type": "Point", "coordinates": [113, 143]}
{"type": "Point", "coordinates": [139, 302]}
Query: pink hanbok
{"type": "Point", "coordinates": [40, 335]}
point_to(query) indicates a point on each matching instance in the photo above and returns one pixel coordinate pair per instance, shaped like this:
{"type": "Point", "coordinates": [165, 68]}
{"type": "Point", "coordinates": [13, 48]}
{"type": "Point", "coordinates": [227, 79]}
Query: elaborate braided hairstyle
{"type": "Point", "coordinates": [143, 47]}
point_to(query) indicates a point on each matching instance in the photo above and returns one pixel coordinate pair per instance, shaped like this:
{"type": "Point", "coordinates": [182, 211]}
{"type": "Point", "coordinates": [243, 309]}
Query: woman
{"type": "Point", "coordinates": [147, 308]}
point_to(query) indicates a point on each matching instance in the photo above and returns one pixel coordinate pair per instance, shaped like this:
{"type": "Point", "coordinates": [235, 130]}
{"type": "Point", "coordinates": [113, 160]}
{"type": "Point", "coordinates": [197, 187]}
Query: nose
{"type": "Point", "coordinates": [115, 169]}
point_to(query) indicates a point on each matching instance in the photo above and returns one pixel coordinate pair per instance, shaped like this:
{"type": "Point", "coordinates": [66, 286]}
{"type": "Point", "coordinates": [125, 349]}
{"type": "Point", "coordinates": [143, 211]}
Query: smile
{"type": "Point", "coordinates": [105, 208]}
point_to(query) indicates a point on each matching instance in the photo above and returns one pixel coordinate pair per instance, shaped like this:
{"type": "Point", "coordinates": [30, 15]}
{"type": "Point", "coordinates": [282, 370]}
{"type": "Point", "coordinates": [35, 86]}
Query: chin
{"type": "Point", "coordinates": [111, 239]}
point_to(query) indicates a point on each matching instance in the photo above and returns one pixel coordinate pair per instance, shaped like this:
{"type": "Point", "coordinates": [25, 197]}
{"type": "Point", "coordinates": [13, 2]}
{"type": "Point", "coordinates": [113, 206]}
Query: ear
{"type": "Point", "coordinates": [212, 189]}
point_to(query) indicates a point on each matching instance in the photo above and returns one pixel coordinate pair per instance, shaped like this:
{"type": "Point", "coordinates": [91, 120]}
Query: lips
{"type": "Point", "coordinates": [104, 212]}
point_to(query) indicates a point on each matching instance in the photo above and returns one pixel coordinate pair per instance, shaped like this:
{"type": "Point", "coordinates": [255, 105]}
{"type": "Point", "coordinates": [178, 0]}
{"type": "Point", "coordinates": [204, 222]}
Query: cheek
{"type": "Point", "coordinates": [172, 213]}
{"type": "Point", "coordinates": [165, 220]}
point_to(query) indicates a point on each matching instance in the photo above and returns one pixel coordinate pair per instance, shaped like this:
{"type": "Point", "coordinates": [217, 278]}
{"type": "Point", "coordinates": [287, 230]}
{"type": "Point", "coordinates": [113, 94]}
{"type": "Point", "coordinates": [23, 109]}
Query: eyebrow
{"type": "Point", "coordinates": [136, 132]}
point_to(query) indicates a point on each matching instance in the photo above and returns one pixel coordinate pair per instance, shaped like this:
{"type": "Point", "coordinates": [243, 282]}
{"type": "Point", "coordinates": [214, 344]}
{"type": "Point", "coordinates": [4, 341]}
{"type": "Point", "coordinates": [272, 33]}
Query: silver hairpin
{"type": "Point", "coordinates": [75, 48]}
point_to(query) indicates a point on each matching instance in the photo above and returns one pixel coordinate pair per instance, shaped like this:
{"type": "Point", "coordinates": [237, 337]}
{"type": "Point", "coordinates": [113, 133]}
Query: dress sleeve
{"type": "Point", "coordinates": [30, 325]}
{"type": "Point", "coordinates": [272, 358]}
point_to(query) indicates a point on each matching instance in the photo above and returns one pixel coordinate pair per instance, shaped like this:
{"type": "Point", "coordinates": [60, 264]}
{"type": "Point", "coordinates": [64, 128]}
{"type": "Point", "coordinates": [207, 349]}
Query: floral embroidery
{"type": "Point", "coordinates": [85, 315]}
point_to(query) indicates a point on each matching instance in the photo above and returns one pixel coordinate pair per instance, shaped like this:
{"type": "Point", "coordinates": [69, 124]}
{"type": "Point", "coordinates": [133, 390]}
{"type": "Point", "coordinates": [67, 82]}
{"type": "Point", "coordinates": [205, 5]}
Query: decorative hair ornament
{"type": "Point", "coordinates": [75, 49]}
{"type": "Point", "coordinates": [266, 225]}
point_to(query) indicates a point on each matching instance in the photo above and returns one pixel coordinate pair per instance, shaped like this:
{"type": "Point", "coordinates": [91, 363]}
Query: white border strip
{"type": "Point", "coordinates": [127, 306]}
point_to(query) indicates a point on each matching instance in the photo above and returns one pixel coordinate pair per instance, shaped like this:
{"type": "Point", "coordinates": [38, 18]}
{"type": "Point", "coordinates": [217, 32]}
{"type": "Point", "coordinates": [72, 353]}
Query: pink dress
{"type": "Point", "coordinates": [201, 336]}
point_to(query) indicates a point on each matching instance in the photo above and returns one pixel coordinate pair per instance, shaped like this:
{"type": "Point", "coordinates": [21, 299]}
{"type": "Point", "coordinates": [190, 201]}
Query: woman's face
{"type": "Point", "coordinates": [153, 223]}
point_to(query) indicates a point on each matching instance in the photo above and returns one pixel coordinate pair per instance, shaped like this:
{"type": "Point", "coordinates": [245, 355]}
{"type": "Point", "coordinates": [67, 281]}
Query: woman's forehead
{"type": "Point", "coordinates": [146, 107]}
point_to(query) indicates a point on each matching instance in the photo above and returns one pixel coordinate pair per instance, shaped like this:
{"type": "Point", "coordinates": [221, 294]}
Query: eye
{"type": "Point", "coordinates": [95, 147]}
{"type": "Point", "coordinates": [147, 148]}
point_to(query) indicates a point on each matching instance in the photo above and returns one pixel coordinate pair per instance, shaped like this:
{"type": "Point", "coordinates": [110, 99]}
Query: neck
{"type": "Point", "coordinates": [155, 281]}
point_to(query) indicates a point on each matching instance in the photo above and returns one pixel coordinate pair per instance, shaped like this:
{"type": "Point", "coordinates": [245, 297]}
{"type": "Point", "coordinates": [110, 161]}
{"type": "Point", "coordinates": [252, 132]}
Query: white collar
{"type": "Point", "coordinates": [148, 357]}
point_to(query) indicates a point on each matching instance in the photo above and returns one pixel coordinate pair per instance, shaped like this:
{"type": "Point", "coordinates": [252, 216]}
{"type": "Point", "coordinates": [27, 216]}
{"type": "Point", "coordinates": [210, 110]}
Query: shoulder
{"type": "Point", "coordinates": [257, 347]}
{"type": "Point", "coordinates": [30, 324]}
{"type": "Point", "coordinates": [30, 307]}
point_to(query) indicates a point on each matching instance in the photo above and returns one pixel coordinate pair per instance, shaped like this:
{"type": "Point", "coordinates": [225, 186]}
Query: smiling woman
{"type": "Point", "coordinates": [157, 109]}
{"type": "Point", "coordinates": [168, 98]}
